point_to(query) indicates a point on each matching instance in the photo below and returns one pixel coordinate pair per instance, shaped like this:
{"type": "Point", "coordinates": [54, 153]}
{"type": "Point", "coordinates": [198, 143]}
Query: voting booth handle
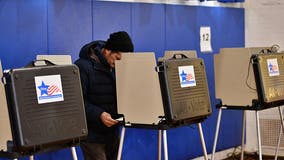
{"type": "Point", "coordinates": [159, 68]}
{"type": "Point", "coordinates": [179, 56]}
{"type": "Point", "coordinates": [39, 63]}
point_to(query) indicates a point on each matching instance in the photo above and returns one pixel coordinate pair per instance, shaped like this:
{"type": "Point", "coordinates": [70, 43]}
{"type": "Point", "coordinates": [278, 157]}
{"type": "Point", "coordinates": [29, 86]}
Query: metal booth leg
{"type": "Point", "coordinates": [278, 143]}
{"type": "Point", "coordinates": [202, 141]}
{"type": "Point", "coordinates": [216, 133]}
{"type": "Point", "coordinates": [258, 135]}
{"type": "Point", "coordinates": [243, 135]}
{"type": "Point", "coordinates": [159, 144]}
{"type": "Point", "coordinates": [121, 143]}
{"type": "Point", "coordinates": [74, 154]}
{"type": "Point", "coordinates": [280, 132]}
{"type": "Point", "coordinates": [165, 145]}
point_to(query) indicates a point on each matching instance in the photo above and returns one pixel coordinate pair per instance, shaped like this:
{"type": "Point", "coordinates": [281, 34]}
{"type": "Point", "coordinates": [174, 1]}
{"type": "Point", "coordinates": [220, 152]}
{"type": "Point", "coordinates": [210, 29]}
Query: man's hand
{"type": "Point", "coordinates": [107, 120]}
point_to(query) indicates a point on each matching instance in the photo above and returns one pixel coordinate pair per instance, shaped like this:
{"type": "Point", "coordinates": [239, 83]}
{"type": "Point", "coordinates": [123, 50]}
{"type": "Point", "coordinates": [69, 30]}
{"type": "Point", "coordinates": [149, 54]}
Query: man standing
{"type": "Point", "coordinates": [96, 65]}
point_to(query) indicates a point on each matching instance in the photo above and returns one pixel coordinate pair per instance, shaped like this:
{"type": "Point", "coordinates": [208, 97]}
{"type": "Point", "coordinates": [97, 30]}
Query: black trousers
{"type": "Point", "coordinates": [98, 151]}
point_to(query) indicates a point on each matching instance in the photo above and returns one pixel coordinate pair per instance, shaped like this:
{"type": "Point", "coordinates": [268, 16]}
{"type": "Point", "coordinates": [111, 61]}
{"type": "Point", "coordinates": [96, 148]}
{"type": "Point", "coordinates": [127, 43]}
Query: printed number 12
{"type": "Point", "coordinates": [205, 36]}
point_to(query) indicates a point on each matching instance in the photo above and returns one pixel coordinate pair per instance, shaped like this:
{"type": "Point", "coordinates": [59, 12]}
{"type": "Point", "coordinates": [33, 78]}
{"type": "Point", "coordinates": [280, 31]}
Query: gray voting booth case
{"type": "Point", "coordinates": [45, 107]}
{"type": "Point", "coordinates": [269, 78]}
{"type": "Point", "coordinates": [184, 89]}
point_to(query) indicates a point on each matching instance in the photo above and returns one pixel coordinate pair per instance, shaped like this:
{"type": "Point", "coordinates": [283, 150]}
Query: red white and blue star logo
{"type": "Point", "coordinates": [187, 77]}
{"type": "Point", "coordinates": [43, 89]}
{"type": "Point", "coordinates": [272, 65]}
{"type": "Point", "coordinates": [49, 89]}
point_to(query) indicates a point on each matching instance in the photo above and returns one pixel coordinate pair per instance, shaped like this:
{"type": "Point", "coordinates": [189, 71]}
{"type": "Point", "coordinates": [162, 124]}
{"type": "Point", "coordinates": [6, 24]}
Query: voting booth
{"type": "Point", "coordinates": [243, 75]}
{"type": "Point", "coordinates": [184, 89]}
{"type": "Point", "coordinates": [170, 93]}
{"type": "Point", "coordinates": [248, 79]}
{"type": "Point", "coordinates": [269, 78]}
{"type": "Point", "coordinates": [44, 111]}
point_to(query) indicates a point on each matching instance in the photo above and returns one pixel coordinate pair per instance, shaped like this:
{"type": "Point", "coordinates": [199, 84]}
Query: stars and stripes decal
{"type": "Point", "coordinates": [273, 68]}
{"type": "Point", "coordinates": [49, 89]}
{"type": "Point", "coordinates": [53, 89]}
{"type": "Point", "coordinates": [186, 76]}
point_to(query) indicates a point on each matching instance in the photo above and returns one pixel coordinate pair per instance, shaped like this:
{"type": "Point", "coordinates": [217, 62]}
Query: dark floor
{"type": "Point", "coordinates": [251, 156]}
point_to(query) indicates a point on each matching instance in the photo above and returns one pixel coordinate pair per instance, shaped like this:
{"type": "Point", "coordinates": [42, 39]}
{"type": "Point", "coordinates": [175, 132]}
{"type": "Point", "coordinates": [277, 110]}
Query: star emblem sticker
{"type": "Point", "coordinates": [43, 88]}
{"type": "Point", "coordinates": [183, 76]}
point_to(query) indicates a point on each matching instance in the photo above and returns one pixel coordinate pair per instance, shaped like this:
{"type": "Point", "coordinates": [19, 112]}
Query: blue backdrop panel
{"type": "Point", "coordinates": [184, 142]}
{"type": "Point", "coordinates": [58, 27]}
{"type": "Point", "coordinates": [227, 30]}
{"type": "Point", "coordinates": [140, 144]}
{"type": "Point", "coordinates": [180, 27]}
{"type": "Point", "coordinates": [148, 27]}
{"type": "Point", "coordinates": [226, 25]}
{"type": "Point", "coordinates": [69, 26]}
{"type": "Point", "coordinates": [109, 17]}
{"type": "Point", "coordinates": [180, 35]}
{"type": "Point", "coordinates": [148, 34]}
{"type": "Point", "coordinates": [23, 31]}
{"type": "Point", "coordinates": [63, 154]}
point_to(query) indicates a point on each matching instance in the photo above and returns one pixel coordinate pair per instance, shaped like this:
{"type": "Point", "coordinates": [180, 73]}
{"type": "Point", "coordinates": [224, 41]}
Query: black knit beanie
{"type": "Point", "coordinates": [119, 41]}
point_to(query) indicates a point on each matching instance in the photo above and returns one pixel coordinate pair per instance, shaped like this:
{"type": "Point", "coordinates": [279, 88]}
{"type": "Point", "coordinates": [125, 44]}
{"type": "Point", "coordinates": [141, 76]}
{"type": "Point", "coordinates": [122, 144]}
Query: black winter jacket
{"type": "Point", "coordinates": [99, 91]}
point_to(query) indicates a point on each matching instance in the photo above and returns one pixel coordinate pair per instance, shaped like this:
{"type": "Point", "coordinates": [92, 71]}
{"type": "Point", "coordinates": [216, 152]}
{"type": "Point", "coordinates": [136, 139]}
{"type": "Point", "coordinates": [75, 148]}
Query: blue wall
{"type": "Point", "coordinates": [31, 27]}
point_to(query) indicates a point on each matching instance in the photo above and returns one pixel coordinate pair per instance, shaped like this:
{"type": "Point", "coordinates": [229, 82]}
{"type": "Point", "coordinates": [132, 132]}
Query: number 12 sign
{"type": "Point", "coordinates": [205, 39]}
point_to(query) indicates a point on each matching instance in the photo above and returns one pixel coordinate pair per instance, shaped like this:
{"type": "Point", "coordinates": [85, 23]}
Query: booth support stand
{"type": "Point", "coordinates": [243, 131]}
{"type": "Point", "coordinates": [163, 133]}
{"type": "Point", "coordinates": [280, 132]}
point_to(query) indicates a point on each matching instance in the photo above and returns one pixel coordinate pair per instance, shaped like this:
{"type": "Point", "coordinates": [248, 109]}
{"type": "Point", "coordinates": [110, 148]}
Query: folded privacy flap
{"type": "Point", "coordinates": [138, 89]}
{"type": "Point", "coordinates": [56, 59]}
{"type": "Point", "coordinates": [5, 128]}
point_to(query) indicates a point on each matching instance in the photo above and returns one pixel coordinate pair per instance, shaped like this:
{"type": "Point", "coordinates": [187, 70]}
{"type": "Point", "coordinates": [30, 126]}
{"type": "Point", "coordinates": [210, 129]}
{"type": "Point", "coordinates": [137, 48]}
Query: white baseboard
{"type": "Point", "coordinates": [185, 2]}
